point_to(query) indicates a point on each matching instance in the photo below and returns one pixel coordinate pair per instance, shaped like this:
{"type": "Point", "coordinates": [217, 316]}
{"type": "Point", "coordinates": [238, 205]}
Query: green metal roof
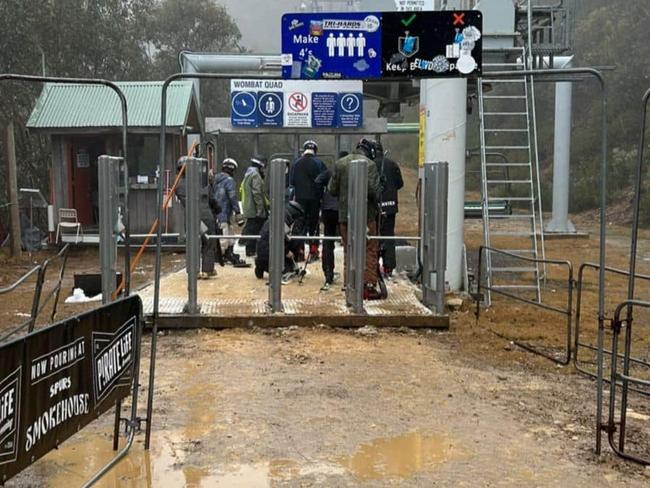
{"type": "Point", "coordinates": [70, 105]}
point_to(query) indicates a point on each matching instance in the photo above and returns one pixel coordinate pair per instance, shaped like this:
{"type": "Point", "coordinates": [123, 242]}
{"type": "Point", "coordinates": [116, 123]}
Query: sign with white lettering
{"type": "Point", "coordinates": [413, 42]}
{"type": "Point", "coordinates": [294, 103]}
{"type": "Point", "coordinates": [331, 45]}
{"type": "Point", "coordinates": [55, 381]}
{"type": "Point", "coordinates": [350, 110]}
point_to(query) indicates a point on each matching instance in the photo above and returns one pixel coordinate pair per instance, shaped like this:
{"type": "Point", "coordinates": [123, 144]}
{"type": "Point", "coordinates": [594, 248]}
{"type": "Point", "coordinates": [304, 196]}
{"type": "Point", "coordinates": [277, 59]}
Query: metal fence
{"type": "Point", "coordinates": [39, 300]}
{"type": "Point", "coordinates": [566, 310]}
{"type": "Point", "coordinates": [580, 342]}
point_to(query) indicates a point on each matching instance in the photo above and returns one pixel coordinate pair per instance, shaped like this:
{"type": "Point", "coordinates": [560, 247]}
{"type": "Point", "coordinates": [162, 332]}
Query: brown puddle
{"type": "Point", "coordinates": [400, 457]}
{"type": "Point", "coordinates": [167, 466]}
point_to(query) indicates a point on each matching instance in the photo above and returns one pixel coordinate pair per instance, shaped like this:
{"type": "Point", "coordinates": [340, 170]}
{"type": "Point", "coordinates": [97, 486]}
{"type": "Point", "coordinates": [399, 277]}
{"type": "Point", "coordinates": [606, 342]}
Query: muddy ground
{"type": "Point", "coordinates": [330, 407]}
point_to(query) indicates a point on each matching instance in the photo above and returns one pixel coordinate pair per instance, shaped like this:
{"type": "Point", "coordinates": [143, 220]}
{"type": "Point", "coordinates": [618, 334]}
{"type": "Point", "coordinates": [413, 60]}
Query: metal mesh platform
{"type": "Point", "coordinates": [236, 298]}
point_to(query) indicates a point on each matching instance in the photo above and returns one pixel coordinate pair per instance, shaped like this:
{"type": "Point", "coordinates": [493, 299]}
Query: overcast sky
{"type": "Point", "coordinates": [259, 22]}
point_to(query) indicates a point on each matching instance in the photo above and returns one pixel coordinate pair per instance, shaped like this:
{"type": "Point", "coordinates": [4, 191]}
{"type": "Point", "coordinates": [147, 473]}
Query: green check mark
{"type": "Point", "coordinates": [408, 21]}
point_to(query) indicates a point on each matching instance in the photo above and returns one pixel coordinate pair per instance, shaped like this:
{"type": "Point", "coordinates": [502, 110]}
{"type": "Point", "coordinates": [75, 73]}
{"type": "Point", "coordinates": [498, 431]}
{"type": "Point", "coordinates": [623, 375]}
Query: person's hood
{"type": "Point", "coordinates": [251, 170]}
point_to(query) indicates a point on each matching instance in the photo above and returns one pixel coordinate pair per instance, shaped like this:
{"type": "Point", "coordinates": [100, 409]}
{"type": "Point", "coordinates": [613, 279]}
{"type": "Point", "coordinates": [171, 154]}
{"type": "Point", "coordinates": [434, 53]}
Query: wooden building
{"type": "Point", "coordinates": [84, 122]}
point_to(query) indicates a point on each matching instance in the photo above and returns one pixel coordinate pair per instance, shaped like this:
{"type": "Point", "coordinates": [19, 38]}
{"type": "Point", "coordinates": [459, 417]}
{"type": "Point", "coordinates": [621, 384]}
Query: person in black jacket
{"type": "Point", "coordinates": [308, 191]}
{"type": "Point", "coordinates": [390, 178]}
{"type": "Point", "coordinates": [330, 218]}
{"type": "Point", "coordinates": [293, 213]}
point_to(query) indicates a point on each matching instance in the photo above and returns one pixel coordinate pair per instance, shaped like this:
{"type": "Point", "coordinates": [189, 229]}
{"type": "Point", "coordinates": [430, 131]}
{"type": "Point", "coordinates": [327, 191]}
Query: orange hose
{"type": "Point", "coordinates": [154, 226]}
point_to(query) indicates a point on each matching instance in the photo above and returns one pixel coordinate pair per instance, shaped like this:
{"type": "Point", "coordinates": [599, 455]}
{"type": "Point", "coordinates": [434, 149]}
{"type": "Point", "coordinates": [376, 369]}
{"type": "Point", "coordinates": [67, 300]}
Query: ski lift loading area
{"type": "Point", "coordinates": [235, 297]}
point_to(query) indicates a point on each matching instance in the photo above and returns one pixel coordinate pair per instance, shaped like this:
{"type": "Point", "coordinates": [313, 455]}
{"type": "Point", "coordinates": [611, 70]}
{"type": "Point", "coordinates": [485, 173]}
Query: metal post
{"type": "Point", "coordinates": [12, 190]}
{"type": "Point", "coordinates": [434, 234]}
{"type": "Point", "coordinates": [108, 168]}
{"type": "Point", "coordinates": [193, 238]}
{"type": "Point", "coordinates": [357, 233]}
{"type": "Point", "coordinates": [562, 160]}
{"type": "Point", "coordinates": [276, 233]}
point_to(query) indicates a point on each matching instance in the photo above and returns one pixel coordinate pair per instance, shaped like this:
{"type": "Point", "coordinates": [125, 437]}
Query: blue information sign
{"type": "Point", "coordinates": [323, 109]}
{"type": "Point", "coordinates": [271, 109]}
{"type": "Point", "coordinates": [243, 109]}
{"type": "Point", "coordinates": [331, 45]}
{"type": "Point", "coordinates": [350, 110]}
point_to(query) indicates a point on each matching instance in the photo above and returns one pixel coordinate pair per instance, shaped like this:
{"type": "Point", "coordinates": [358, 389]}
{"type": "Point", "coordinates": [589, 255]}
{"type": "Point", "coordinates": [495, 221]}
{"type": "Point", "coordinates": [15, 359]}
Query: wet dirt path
{"type": "Point", "coordinates": [320, 407]}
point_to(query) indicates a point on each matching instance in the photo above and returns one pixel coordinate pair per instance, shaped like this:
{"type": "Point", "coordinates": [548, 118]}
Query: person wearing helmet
{"type": "Point", "coordinates": [226, 196]}
{"type": "Point", "coordinates": [308, 191]}
{"type": "Point", "coordinates": [293, 213]}
{"type": "Point", "coordinates": [255, 202]}
{"type": "Point", "coordinates": [338, 187]}
{"type": "Point", "coordinates": [391, 181]}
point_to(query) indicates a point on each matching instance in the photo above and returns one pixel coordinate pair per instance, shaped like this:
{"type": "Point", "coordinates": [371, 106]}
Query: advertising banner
{"type": "Point", "coordinates": [55, 381]}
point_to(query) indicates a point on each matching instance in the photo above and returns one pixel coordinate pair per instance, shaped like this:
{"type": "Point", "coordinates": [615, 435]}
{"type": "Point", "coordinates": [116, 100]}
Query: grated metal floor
{"type": "Point", "coordinates": [236, 294]}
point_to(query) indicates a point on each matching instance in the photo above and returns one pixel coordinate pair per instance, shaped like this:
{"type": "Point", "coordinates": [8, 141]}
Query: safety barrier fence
{"type": "Point", "coordinates": [39, 299]}
{"type": "Point", "coordinates": [581, 343]}
{"type": "Point", "coordinates": [624, 379]}
{"type": "Point", "coordinates": [619, 324]}
{"type": "Point", "coordinates": [566, 311]}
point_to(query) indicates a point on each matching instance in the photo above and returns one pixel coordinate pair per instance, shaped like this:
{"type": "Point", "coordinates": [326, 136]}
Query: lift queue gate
{"type": "Point", "coordinates": [433, 234]}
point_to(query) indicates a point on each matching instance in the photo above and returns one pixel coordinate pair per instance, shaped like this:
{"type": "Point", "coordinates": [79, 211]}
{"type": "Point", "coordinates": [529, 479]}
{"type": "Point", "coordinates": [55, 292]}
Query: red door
{"type": "Point", "coordinates": [83, 178]}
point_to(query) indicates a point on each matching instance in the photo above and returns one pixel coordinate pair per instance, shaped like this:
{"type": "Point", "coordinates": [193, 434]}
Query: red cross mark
{"type": "Point", "coordinates": [459, 19]}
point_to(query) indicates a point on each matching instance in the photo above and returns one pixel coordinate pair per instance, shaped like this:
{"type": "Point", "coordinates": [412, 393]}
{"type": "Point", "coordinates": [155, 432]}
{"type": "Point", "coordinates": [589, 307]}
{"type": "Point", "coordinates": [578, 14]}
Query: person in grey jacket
{"type": "Point", "coordinates": [225, 194]}
{"type": "Point", "coordinates": [255, 201]}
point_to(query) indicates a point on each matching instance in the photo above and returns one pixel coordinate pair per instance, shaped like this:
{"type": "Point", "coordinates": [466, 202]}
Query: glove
{"type": "Point", "coordinates": [240, 219]}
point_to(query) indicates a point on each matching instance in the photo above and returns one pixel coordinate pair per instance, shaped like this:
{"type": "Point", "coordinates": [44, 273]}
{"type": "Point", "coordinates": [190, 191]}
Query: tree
{"type": "Point", "coordinates": [189, 25]}
{"type": "Point", "coordinates": [112, 39]}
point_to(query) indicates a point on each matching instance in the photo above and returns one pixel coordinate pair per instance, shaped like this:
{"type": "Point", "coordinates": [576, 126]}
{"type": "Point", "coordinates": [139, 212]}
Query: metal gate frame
{"type": "Point", "coordinates": [127, 240]}
{"type": "Point", "coordinates": [124, 109]}
{"type": "Point", "coordinates": [568, 311]}
{"type": "Point", "coordinates": [628, 305]}
{"type": "Point", "coordinates": [578, 322]}
{"type": "Point", "coordinates": [624, 378]}
{"type": "Point", "coordinates": [579, 74]}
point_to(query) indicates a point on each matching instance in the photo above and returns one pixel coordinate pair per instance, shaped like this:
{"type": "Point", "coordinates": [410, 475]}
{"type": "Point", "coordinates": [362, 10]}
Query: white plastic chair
{"type": "Point", "coordinates": [68, 221]}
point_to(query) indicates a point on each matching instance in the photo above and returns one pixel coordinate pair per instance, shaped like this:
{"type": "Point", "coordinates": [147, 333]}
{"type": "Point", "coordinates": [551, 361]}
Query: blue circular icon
{"type": "Point", "coordinates": [350, 103]}
{"type": "Point", "coordinates": [244, 104]}
{"type": "Point", "coordinates": [271, 104]}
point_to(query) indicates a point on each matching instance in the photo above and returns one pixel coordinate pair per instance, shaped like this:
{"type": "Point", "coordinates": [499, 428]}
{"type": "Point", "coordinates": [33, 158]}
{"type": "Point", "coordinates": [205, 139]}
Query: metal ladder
{"type": "Point", "coordinates": [508, 130]}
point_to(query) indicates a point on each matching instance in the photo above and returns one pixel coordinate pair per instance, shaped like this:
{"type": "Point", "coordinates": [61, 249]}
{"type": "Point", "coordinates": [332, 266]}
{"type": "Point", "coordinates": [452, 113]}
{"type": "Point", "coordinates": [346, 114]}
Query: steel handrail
{"type": "Point", "coordinates": [20, 280]}
{"type": "Point", "coordinates": [578, 321]}
{"type": "Point", "coordinates": [625, 378]}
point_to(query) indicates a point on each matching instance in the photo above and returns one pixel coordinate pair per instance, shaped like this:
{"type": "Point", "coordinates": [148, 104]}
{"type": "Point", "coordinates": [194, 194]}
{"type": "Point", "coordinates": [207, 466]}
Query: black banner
{"type": "Point", "coordinates": [432, 44]}
{"type": "Point", "coordinates": [57, 380]}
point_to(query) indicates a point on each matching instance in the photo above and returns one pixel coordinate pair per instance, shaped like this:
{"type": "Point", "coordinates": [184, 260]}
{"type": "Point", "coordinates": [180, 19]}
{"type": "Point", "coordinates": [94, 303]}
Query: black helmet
{"type": "Point", "coordinates": [379, 148]}
{"type": "Point", "coordinates": [310, 146]}
{"type": "Point", "coordinates": [229, 164]}
{"type": "Point", "coordinates": [259, 161]}
{"type": "Point", "coordinates": [367, 147]}
{"type": "Point", "coordinates": [293, 212]}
